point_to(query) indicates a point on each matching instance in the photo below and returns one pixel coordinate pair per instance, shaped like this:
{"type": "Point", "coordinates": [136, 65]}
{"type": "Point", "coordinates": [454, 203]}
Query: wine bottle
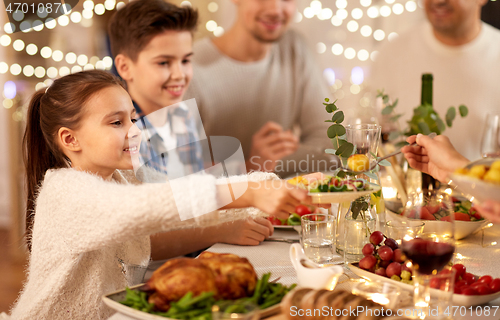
{"type": "Point", "coordinates": [428, 182]}
{"type": "Point", "coordinates": [426, 95]}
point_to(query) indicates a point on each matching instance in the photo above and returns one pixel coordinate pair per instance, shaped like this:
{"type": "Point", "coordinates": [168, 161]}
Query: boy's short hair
{"type": "Point", "coordinates": [132, 27]}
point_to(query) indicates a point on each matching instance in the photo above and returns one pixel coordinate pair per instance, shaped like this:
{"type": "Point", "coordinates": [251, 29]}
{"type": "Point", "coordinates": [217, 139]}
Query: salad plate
{"type": "Point", "coordinates": [462, 228]}
{"type": "Point", "coordinates": [113, 299]}
{"type": "Point", "coordinates": [458, 299]}
{"type": "Point", "coordinates": [344, 196]}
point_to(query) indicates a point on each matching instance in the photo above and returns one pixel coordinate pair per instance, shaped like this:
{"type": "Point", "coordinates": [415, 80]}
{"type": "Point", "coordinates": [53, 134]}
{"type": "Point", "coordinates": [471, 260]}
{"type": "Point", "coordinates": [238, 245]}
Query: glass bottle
{"type": "Point", "coordinates": [428, 182]}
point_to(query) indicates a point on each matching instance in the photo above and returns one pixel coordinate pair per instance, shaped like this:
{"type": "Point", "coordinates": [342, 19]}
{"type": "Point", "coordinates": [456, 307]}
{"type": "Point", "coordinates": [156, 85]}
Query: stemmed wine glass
{"type": "Point", "coordinates": [428, 253]}
{"type": "Point", "coordinates": [490, 142]}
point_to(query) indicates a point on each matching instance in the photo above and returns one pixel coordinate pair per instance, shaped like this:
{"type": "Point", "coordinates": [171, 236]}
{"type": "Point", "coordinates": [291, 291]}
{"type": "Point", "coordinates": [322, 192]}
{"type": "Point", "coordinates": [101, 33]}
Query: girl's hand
{"type": "Point", "coordinates": [436, 157]}
{"type": "Point", "coordinates": [490, 210]}
{"type": "Point", "coordinates": [277, 197]}
{"type": "Point", "coordinates": [247, 232]}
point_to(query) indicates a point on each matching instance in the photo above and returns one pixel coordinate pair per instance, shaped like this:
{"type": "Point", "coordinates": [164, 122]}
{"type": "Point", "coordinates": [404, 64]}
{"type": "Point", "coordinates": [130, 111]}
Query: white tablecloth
{"type": "Point", "coordinates": [273, 257]}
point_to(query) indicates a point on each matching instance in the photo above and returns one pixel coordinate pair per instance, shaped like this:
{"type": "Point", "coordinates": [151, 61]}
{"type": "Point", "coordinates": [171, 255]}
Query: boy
{"type": "Point", "coordinates": [151, 41]}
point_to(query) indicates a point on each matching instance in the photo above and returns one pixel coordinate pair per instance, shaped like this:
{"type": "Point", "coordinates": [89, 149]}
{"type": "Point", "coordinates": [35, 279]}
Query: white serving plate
{"type": "Point", "coordinates": [340, 197]}
{"type": "Point", "coordinates": [458, 299]}
{"type": "Point", "coordinates": [112, 301]}
{"type": "Point", "coordinates": [462, 228]}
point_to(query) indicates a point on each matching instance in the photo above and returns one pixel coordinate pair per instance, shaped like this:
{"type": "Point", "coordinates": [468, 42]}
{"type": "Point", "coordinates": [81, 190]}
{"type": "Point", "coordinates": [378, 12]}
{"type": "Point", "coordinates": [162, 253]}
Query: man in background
{"type": "Point", "coordinates": [461, 52]}
{"type": "Point", "coordinates": [258, 83]}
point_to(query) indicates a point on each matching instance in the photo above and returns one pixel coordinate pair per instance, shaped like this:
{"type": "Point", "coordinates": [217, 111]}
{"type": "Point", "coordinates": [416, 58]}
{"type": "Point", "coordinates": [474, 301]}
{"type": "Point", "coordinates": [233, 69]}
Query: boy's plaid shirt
{"type": "Point", "coordinates": [153, 152]}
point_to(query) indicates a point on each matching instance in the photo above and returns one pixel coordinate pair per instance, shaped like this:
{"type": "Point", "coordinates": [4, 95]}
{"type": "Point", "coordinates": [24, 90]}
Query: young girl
{"type": "Point", "coordinates": [85, 215]}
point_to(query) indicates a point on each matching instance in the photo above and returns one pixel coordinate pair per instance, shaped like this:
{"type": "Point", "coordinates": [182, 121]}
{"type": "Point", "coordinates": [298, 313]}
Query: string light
{"type": "Point", "coordinates": [211, 25]}
{"type": "Point", "coordinates": [46, 52]}
{"type": "Point", "coordinates": [363, 55]}
{"type": "Point", "coordinates": [298, 17]}
{"type": "Point", "coordinates": [392, 36]}
{"type": "Point", "coordinates": [308, 12]}
{"type": "Point", "coordinates": [341, 4]}
{"type": "Point", "coordinates": [398, 8]}
{"type": "Point", "coordinates": [379, 35]}
{"type": "Point", "coordinates": [40, 72]}
{"type": "Point", "coordinates": [52, 72]}
{"type": "Point", "coordinates": [9, 28]}
{"type": "Point", "coordinates": [57, 55]}
{"type": "Point", "coordinates": [28, 70]}
{"type": "Point", "coordinates": [18, 45]}
{"type": "Point", "coordinates": [76, 69]}
{"type": "Point", "coordinates": [336, 21]}
{"type": "Point", "coordinates": [5, 40]}
{"type": "Point", "coordinates": [31, 49]}
{"type": "Point", "coordinates": [411, 6]}
{"type": "Point", "coordinates": [385, 11]}
{"type": "Point", "coordinates": [109, 4]}
{"type": "Point", "coordinates": [76, 17]}
{"type": "Point", "coordinates": [38, 25]}
{"type": "Point", "coordinates": [88, 67]}
{"type": "Point", "coordinates": [213, 7]}
{"type": "Point", "coordinates": [100, 9]}
{"type": "Point", "coordinates": [326, 14]}
{"type": "Point", "coordinates": [82, 60]}
{"type": "Point", "coordinates": [350, 53]}
{"type": "Point", "coordinates": [372, 12]}
{"type": "Point", "coordinates": [366, 3]}
{"type": "Point", "coordinates": [357, 13]}
{"type": "Point", "coordinates": [366, 31]}
{"type": "Point", "coordinates": [25, 26]}
{"type": "Point", "coordinates": [15, 69]}
{"type": "Point", "coordinates": [352, 26]}
{"type": "Point", "coordinates": [64, 71]}
{"type": "Point", "coordinates": [337, 49]}
{"type": "Point", "coordinates": [63, 20]}
{"type": "Point", "coordinates": [71, 57]}
{"type": "Point", "coordinates": [320, 47]}
{"type": "Point", "coordinates": [4, 67]}
{"type": "Point", "coordinates": [219, 31]}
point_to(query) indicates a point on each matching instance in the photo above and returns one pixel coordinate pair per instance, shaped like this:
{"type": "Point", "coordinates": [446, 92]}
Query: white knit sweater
{"type": "Point", "coordinates": [84, 224]}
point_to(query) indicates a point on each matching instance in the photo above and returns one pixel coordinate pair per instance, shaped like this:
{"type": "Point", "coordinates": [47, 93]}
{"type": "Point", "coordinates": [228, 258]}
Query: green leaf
{"type": "Point", "coordinates": [330, 151]}
{"type": "Point", "coordinates": [387, 110]}
{"type": "Point", "coordinates": [464, 111]}
{"type": "Point", "coordinates": [328, 121]}
{"type": "Point", "coordinates": [395, 117]}
{"type": "Point", "coordinates": [371, 175]}
{"type": "Point", "coordinates": [385, 98]}
{"type": "Point", "coordinates": [395, 103]}
{"type": "Point", "coordinates": [450, 116]}
{"type": "Point", "coordinates": [373, 155]}
{"type": "Point", "coordinates": [424, 127]}
{"type": "Point", "coordinates": [345, 150]}
{"type": "Point", "coordinates": [338, 117]}
{"type": "Point", "coordinates": [394, 135]}
{"type": "Point", "coordinates": [385, 163]}
{"type": "Point", "coordinates": [341, 174]}
{"type": "Point", "coordinates": [440, 125]}
{"type": "Point", "coordinates": [338, 142]}
{"type": "Point", "coordinates": [335, 131]}
{"type": "Point", "coordinates": [327, 100]}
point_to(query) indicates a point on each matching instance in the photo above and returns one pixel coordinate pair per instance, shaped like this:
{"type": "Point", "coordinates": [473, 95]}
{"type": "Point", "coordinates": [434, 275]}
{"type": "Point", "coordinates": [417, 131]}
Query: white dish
{"type": "Point", "coordinates": [479, 189]}
{"type": "Point", "coordinates": [462, 228]}
{"type": "Point", "coordinates": [458, 299]}
{"type": "Point", "coordinates": [113, 299]}
{"type": "Point", "coordinates": [340, 197]}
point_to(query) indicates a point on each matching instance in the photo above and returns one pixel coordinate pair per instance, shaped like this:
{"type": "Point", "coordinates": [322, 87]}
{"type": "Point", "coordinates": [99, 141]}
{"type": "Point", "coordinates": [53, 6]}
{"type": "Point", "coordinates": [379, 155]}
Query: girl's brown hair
{"type": "Point", "coordinates": [60, 105]}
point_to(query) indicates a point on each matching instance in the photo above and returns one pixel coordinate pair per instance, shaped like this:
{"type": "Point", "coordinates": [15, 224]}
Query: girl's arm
{"type": "Point", "coordinates": [87, 213]}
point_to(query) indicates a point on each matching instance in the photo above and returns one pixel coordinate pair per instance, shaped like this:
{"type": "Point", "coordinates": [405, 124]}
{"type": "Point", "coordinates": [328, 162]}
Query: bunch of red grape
{"type": "Point", "coordinates": [385, 259]}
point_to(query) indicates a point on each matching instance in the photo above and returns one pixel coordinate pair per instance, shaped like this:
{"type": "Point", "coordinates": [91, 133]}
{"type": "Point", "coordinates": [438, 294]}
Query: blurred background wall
{"type": "Point", "coordinates": [345, 36]}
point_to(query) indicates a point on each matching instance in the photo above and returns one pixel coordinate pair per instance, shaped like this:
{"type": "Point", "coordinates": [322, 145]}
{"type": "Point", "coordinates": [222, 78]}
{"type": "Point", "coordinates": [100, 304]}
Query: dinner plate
{"type": "Point", "coordinates": [458, 299]}
{"type": "Point", "coordinates": [340, 197]}
{"type": "Point", "coordinates": [113, 299]}
{"type": "Point", "coordinates": [462, 228]}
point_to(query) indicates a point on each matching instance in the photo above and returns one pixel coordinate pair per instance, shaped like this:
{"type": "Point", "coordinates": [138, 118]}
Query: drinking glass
{"type": "Point", "coordinates": [383, 293]}
{"type": "Point", "coordinates": [429, 252]}
{"type": "Point", "coordinates": [490, 142]}
{"type": "Point", "coordinates": [364, 137]}
{"type": "Point", "coordinates": [317, 237]}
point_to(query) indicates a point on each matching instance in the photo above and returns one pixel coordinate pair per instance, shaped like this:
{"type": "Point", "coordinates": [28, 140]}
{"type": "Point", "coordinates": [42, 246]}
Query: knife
{"type": "Point", "coordinates": [282, 240]}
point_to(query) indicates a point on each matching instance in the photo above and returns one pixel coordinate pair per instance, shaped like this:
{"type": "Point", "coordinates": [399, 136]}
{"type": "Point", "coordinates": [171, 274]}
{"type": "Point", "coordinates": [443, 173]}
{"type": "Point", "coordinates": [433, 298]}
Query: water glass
{"type": "Point", "coordinates": [397, 229]}
{"type": "Point", "coordinates": [383, 293]}
{"type": "Point", "coordinates": [134, 273]}
{"type": "Point", "coordinates": [317, 237]}
{"type": "Point", "coordinates": [235, 310]}
{"type": "Point", "coordinates": [490, 142]}
{"type": "Point", "coordinates": [433, 293]}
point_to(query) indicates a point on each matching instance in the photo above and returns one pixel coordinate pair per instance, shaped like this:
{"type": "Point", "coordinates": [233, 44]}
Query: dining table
{"type": "Point", "coordinates": [479, 252]}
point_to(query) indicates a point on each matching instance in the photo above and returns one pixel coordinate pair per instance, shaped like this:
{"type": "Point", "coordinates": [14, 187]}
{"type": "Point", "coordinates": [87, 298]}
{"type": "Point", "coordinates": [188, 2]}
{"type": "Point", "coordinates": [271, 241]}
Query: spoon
{"type": "Point", "coordinates": [375, 163]}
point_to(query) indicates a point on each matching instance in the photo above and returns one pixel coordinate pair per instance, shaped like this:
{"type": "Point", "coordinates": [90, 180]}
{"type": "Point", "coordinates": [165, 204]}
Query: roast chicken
{"type": "Point", "coordinates": [227, 275]}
